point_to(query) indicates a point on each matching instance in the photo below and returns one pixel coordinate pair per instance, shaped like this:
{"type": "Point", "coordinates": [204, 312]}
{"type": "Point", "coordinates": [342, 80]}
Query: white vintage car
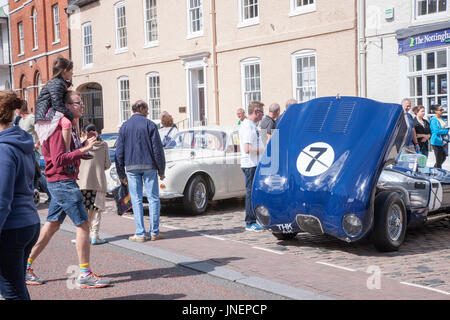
{"type": "Point", "coordinates": [202, 164]}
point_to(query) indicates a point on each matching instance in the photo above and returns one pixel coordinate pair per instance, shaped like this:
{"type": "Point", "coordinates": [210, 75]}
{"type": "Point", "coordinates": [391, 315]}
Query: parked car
{"type": "Point", "coordinates": [110, 139]}
{"type": "Point", "coordinates": [202, 164]}
{"type": "Point", "coordinates": [341, 172]}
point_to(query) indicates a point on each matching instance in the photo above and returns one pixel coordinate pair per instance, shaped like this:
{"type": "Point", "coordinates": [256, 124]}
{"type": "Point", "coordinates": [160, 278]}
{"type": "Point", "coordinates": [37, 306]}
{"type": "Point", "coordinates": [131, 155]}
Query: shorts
{"type": "Point", "coordinates": [66, 200]}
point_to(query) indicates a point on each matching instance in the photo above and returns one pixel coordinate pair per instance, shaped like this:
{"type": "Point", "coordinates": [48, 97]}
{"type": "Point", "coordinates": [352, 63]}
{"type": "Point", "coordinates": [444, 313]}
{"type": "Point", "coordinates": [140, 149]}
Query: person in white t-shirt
{"type": "Point", "coordinates": [252, 148]}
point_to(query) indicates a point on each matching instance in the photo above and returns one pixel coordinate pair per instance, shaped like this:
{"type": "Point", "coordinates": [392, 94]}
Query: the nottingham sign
{"type": "Point", "coordinates": [423, 41]}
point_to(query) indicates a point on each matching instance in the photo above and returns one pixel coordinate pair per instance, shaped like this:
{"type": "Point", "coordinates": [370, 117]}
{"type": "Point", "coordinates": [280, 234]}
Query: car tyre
{"type": "Point", "coordinates": [195, 198]}
{"type": "Point", "coordinates": [389, 222]}
{"type": "Point", "coordinates": [285, 236]}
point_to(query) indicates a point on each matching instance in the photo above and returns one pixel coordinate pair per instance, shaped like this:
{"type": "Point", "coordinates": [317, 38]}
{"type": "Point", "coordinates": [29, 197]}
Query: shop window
{"type": "Point", "coordinates": [429, 85]}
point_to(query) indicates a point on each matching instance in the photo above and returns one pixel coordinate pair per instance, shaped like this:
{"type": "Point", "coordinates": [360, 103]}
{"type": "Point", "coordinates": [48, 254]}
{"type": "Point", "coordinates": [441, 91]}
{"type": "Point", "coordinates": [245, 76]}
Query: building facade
{"type": "Point", "coordinates": [39, 34]}
{"type": "Point", "coordinates": [407, 44]}
{"type": "Point", "coordinates": [5, 59]}
{"type": "Point", "coordinates": [201, 60]}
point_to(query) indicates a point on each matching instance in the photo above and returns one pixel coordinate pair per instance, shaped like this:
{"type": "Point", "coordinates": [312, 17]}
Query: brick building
{"type": "Point", "coordinates": [39, 33]}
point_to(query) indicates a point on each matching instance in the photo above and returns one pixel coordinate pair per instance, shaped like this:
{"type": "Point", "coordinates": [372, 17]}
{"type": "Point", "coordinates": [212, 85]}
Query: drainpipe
{"type": "Point", "coordinates": [214, 54]}
{"type": "Point", "coordinates": [362, 49]}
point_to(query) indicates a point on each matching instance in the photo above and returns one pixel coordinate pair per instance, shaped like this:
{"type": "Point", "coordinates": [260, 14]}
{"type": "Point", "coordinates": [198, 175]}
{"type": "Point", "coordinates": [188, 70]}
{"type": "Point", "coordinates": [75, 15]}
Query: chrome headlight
{"type": "Point", "coordinates": [352, 224]}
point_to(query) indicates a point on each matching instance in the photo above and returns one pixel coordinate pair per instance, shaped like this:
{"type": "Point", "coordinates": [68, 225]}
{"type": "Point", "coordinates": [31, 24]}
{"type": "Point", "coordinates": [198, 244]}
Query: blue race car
{"type": "Point", "coordinates": [335, 166]}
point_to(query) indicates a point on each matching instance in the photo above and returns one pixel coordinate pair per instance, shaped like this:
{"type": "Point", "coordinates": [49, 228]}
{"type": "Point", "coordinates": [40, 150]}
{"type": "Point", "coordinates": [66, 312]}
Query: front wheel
{"type": "Point", "coordinates": [195, 198]}
{"type": "Point", "coordinates": [390, 222]}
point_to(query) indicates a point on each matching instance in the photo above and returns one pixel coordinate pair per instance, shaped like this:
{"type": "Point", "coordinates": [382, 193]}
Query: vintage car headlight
{"type": "Point", "coordinates": [263, 215]}
{"type": "Point", "coordinates": [113, 174]}
{"type": "Point", "coordinates": [352, 224]}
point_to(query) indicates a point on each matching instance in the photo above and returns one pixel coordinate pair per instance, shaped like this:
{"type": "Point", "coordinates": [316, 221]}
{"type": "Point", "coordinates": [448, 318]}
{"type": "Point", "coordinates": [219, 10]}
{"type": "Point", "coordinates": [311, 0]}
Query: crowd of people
{"type": "Point", "coordinates": [75, 163]}
{"type": "Point", "coordinates": [426, 134]}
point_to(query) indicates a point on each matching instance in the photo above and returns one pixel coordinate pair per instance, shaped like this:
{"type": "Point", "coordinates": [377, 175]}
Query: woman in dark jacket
{"type": "Point", "coordinates": [19, 221]}
{"type": "Point", "coordinates": [423, 130]}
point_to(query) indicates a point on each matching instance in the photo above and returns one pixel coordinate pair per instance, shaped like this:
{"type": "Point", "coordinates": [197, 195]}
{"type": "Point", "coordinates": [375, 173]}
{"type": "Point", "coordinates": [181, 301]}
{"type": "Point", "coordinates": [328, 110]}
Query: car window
{"type": "Point", "coordinates": [110, 140]}
{"type": "Point", "coordinates": [211, 140]}
{"type": "Point", "coordinates": [233, 143]}
{"type": "Point", "coordinates": [182, 140]}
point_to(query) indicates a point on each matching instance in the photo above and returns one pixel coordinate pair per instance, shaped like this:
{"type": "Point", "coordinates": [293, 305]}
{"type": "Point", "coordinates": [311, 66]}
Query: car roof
{"type": "Point", "coordinates": [212, 128]}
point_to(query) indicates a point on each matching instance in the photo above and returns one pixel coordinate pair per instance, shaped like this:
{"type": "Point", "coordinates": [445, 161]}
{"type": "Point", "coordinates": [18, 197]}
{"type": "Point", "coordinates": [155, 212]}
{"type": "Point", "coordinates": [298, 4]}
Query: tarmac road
{"type": "Point", "coordinates": [135, 276]}
{"type": "Point", "coordinates": [308, 267]}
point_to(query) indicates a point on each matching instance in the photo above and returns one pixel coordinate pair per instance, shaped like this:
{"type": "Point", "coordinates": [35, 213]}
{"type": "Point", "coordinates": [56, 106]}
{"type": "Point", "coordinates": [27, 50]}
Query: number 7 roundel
{"type": "Point", "coordinates": [315, 159]}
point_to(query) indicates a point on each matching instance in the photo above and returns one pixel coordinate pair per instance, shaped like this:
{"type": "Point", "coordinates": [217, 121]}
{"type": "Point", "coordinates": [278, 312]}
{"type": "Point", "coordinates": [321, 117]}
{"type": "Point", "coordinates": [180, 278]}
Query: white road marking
{"type": "Point", "coordinates": [213, 237]}
{"type": "Point", "coordinates": [268, 250]}
{"type": "Point", "coordinates": [424, 287]}
{"type": "Point", "coordinates": [169, 227]}
{"type": "Point", "coordinates": [131, 218]}
{"type": "Point", "coordinates": [335, 266]}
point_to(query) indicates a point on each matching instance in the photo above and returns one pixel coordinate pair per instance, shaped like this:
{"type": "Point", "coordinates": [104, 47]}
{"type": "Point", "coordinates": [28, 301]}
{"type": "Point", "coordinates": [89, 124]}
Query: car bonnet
{"type": "Point", "coordinates": [325, 157]}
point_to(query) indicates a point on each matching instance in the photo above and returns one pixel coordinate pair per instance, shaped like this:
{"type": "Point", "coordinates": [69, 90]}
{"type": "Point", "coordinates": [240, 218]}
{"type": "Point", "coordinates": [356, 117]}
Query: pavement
{"type": "Point", "coordinates": [307, 268]}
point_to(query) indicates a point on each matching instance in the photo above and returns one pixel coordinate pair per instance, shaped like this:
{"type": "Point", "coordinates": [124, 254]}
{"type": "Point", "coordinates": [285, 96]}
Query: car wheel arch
{"type": "Point", "coordinates": [207, 177]}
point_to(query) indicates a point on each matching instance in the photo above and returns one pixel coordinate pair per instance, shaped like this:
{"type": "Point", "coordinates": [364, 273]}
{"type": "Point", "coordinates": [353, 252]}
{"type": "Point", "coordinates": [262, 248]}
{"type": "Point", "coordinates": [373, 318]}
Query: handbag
{"type": "Point", "coordinates": [122, 198]}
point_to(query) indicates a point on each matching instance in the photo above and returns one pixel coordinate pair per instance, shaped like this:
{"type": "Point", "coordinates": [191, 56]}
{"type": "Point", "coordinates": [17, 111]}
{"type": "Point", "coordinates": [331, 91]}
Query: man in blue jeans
{"type": "Point", "coordinates": [139, 161]}
{"type": "Point", "coordinates": [252, 149]}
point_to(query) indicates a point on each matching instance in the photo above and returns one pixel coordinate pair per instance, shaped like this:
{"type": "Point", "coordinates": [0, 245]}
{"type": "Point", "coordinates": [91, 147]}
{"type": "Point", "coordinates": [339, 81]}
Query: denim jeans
{"type": "Point", "coordinates": [136, 180]}
{"type": "Point", "coordinates": [66, 200]}
{"type": "Point", "coordinates": [15, 248]}
{"type": "Point", "coordinates": [250, 217]}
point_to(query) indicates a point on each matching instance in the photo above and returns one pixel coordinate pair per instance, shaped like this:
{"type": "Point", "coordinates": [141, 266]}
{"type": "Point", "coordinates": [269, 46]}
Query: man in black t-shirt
{"type": "Point", "coordinates": [268, 124]}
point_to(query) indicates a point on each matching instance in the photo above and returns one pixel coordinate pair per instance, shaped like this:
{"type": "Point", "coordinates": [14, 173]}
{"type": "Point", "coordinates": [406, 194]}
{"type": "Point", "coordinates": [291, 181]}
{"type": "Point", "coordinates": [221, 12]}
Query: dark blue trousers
{"type": "Point", "coordinates": [15, 248]}
{"type": "Point", "coordinates": [250, 217]}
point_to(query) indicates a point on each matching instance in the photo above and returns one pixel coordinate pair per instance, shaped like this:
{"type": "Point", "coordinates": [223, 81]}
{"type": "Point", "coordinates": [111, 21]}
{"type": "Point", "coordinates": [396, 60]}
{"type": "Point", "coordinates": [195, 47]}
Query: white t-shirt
{"type": "Point", "coordinates": [165, 131]}
{"type": "Point", "coordinates": [248, 133]}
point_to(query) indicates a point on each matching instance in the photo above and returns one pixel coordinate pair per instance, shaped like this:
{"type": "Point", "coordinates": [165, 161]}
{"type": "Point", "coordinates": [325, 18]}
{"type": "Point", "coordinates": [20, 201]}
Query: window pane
{"type": "Point", "coordinates": [418, 62]}
{"type": "Point", "coordinates": [419, 86]}
{"type": "Point", "coordinates": [442, 5]}
{"type": "Point", "coordinates": [421, 7]}
{"type": "Point", "coordinates": [431, 85]}
{"type": "Point", "coordinates": [442, 84]}
{"type": "Point", "coordinates": [412, 87]}
{"type": "Point", "coordinates": [432, 6]}
{"type": "Point", "coordinates": [441, 59]}
{"type": "Point", "coordinates": [430, 60]}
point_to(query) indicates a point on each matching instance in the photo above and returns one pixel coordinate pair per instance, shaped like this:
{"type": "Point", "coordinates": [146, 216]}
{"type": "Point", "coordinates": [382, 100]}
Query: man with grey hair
{"type": "Point", "coordinates": [411, 144]}
{"type": "Point", "coordinates": [241, 115]}
{"type": "Point", "coordinates": [268, 124]}
{"type": "Point", "coordinates": [289, 103]}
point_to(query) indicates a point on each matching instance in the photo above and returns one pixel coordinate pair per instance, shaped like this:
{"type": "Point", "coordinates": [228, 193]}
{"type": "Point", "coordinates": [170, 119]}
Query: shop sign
{"type": "Point", "coordinates": [423, 41]}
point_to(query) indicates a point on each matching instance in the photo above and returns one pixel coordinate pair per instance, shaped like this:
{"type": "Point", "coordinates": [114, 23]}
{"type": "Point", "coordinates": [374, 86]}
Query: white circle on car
{"type": "Point", "coordinates": [435, 195]}
{"type": "Point", "coordinates": [315, 159]}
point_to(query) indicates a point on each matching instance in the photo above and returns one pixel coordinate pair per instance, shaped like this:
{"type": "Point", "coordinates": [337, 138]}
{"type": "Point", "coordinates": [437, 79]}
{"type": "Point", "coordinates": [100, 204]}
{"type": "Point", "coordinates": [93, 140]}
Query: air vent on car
{"type": "Point", "coordinates": [343, 117]}
{"type": "Point", "coordinates": [319, 117]}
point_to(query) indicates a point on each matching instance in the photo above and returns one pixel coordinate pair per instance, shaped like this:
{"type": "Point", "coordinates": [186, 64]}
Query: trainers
{"type": "Point", "coordinates": [254, 227]}
{"type": "Point", "coordinates": [92, 281]}
{"type": "Point", "coordinates": [138, 239]}
{"type": "Point", "coordinates": [96, 241]}
{"type": "Point", "coordinates": [32, 279]}
{"type": "Point", "coordinates": [74, 241]}
{"type": "Point", "coordinates": [157, 237]}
